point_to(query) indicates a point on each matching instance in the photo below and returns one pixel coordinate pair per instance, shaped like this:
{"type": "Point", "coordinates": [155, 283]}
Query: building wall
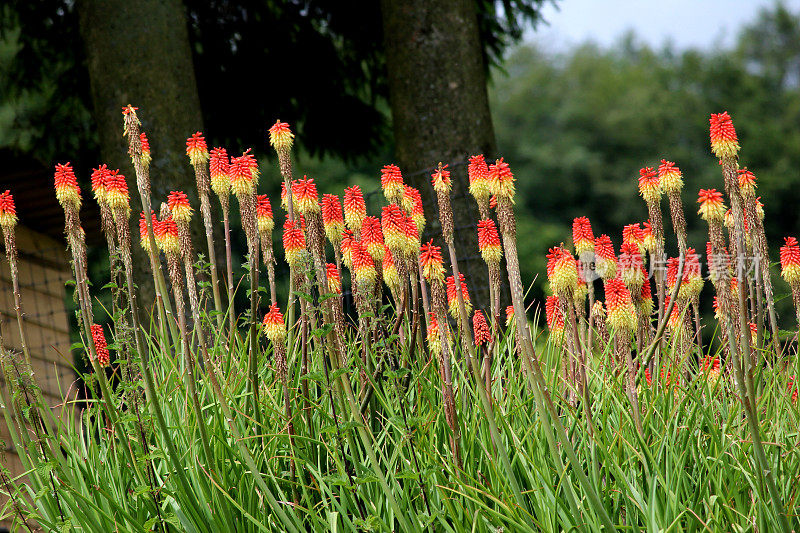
{"type": "Point", "coordinates": [43, 269]}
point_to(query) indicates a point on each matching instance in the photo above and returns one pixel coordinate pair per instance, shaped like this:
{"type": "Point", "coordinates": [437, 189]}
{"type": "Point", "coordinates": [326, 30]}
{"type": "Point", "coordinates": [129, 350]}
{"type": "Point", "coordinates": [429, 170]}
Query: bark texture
{"type": "Point", "coordinates": [440, 110]}
{"type": "Point", "coordinates": [138, 53]}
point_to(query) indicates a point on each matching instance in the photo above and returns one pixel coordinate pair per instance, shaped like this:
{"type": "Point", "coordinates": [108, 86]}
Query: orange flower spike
{"type": "Point", "coordinates": [99, 176]}
{"type": "Point", "coordinates": [304, 196]}
{"type": "Point", "coordinates": [562, 272]}
{"type": "Point", "coordinates": [266, 222]}
{"type": "Point", "coordinates": [452, 296]}
{"type": "Point", "coordinates": [347, 248]}
{"type": "Point", "coordinates": [274, 326]}
{"type": "Point", "coordinates": [431, 260]}
{"type": "Point", "coordinates": [390, 275]}
{"type": "Point", "coordinates": [747, 182]}
{"type": "Point", "coordinates": [145, 240]}
{"type": "Point", "coordinates": [621, 314]}
{"type": "Point", "coordinates": [354, 208]}
{"type": "Point", "coordinates": [179, 206]}
{"type": "Point", "coordinates": [633, 234]}
{"type": "Point", "coordinates": [790, 262]}
{"type": "Point", "coordinates": [393, 225]}
{"type": "Point", "coordinates": [8, 211]}
{"type": "Point", "coordinates": [501, 180]}
{"type": "Point", "coordinates": [413, 197]}
{"type": "Point", "coordinates": [434, 342]}
{"type": "Point", "coordinates": [648, 239]}
{"type": "Point", "coordinates": [67, 191]}
{"type": "Point", "coordinates": [410, 236]}
{"type": "Point", "coordinates": [372, 238]}
{"type": "Point", "coordinates": [510, 315]}
{"type": "Point", "coordinates": [116, 191]}
{"type": "Point", "coordinates": [100, 345]}
{"type": "Point", "coordinates": [555, 318]}
{"type": "Point", "coordinates": [582, 236]}
{"type": "Point", "coordinates": [646, 304]}
{"type": "Point", "coordinates": [711, 207]}
{"type": "Point", "coordinates": [392, 183]}
{"type": "Point", "coordinates": [670, 177]}
{"type": "Point", "coordinates": [196, 149]}
{"type": "Point", "coordinates": [294, 243]}
{"type": "Point", "coordinates": [605, 260]}
{"type": "Point", "coordinates": [481, 328]}
{"type": "Point", "coordinates": [332, 218]}
{"type": "Point", "coordinates": [441, 180]}
{"type": "Point", "coordinates": [480, 185]}
{"type": "Point", "coordinates": [166, 234]}
{"type": "Point", "coordinates": [334, 279]}
{"type": "Point", "coordinates": [281, 136]}
{"type": "Point", "coordinates": [243, 174]}
{"type": "Point", "coordinates": [145, 144]}
{"type": "Point", "coordinates": [692, 282]}
{"type": "Point", "coordinates": [363, 267]}
{"type": "Point", "coordinates": [649, 185]}
{"type": "Point", "coordinates": [724, 142]}
{"type": "Point", "coordinates": [791, 388]}
{"type": "Point", "coordinates": [219, 170]}
{"type": "Point", "coordinates": [489, 242]}
{"type": "Point", "coordinates": [631, 266]}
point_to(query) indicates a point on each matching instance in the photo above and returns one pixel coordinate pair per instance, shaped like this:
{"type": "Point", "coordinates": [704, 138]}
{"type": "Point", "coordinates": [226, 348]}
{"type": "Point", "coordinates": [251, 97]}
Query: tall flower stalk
{"type": "Point", "coordinates": [219, 171]}
{"type": "Point", "coordinates": [8, 221]}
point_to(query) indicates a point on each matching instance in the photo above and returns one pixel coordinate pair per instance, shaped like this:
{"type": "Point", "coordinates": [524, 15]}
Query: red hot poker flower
{"type": "Point", "coordinates": [711, 207]}
{"type": "Point", "coordinates": [219, 170]}
{"type": "Point", "coordinates": [334, 279]}
{"type": "Point", "coordinates": [431, 260]}
{"type": "Point", "coordinates": [281, 136]}
{"type": "Point", "coordinates": [392, 182]}
{"type": "Point", "coordinates": [479, 182]}
{"type": "Point", "coordinates": [294, 243]}
{"type": "Point", "coordinates": [145, 240]}
{"type": "Point", "coordinates": [274, 326]}
{"type": "Point", "coordinates": [372, 237]}
{"type": "Point", "coordinates": [332, 218]}
{"type": "Point", "coordinates": [605, 260]}
{"type": "Point", "coordinates": [790, 262]}
{"type": "Point", "coordinates": [502, 180]}
{"type": "Point", "coordinates": [166, 234]}
{"type": "Point", "coordinates": [489, 242]}
{"type": "Point", "coordinates": [390, 275]}
{"type": "Point", "coordinates": [8, 212]}
{"type": "Point", "coordinates": [441, 180]}
{"type": "Point", "coordinates": [179, 206]}
{"type": "Point", "coordinates": [649, 185]}
{"type": "Point", "coordinates": [633, 234]}
{"type": "Point", "coordinates": [99, 176]}
{"type": "Point", "coordinates": [347, 248]}
{"type": "Point", "coordinates": [562, 272]}
{"type": "Point", "coordinates": [363, 267]}
{"type": "Point", "coordinates": [393, 224]}
{"type": "Point", "coordinates": [67, 191]}
{"type": "Point", "coordinates": [413, 196]}
{"type": "Point", "coordinates": [100, 346]}
{"type": "Point", "coordinates": [621, 311]}
{"type": "Point", "coordinates": [555, 318]}
{"type": "Point", "coordinates": [145, 144]}
{"type": "Point", "coordinates": [452, 296]}
{"type": "Point", "coordinates": [724, 142]}
{"type": "Point", "coordinates": [117, 196]}
{"type": "Point", "coordinates": [481, 328]}
{"type": "Point", "coordinates": [670, 177]}
{"type": "Point", "coordinates": [244, 174]}
{"type": "Point", "coordinates": [747, 182]}
{"type": "Point", "coordinates": [304, 196]}
{"type": "Point", "coordinates": [354, 208]}
{"type": "Point", "coordinates": [410, 236]}
{"type": "Point", "coordinates": [266, 223]}
{"type": "Point", "coordinates": [582, 236]}
{"type": "Point", "coordinates": [196, 148]}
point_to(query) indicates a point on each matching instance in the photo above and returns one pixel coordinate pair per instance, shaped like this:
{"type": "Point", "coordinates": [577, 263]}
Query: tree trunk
{"type": "Point", "coordinates": [138, 53]}
{"type": "Point", "coordinates": [440, 110]}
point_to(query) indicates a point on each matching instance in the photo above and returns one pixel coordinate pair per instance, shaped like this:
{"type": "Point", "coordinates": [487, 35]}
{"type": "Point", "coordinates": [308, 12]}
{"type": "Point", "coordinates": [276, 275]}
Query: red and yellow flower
{"type": "Point", "coordinates": [621, 313]}
{"type": "Point", "coordinates": [582, 236]}
{"type": "Point", "coordinates": [393, 224]}
{"type": "Point", "coordinates": [392, 183]}
{"type": "Point", "coordinates": [347, 248]}
{"type": "Point", "coordinates": [390, 275]}
{"type": "Point", "coordinates": [413, 197]}
{"type": "Point", "coordinates": [562, 272]}
{"type": "Point", "coordinates": [372, 238]}
{"type": "Point", "coordinates": [431, 260]}
{"type": "Point", "coordinates": [480, 186]}
{"type": "Point", "coordinates": [243, 174]}
{"type": "Point", "coordinates": [99, 176]}
{"type": "Point", "coordinates": [266, 222]}
{"type": "Point", "coordinates": [334, 279]}
{"type": "Point", "coordinates": [354, 208]}
{"type": "Point", "coordinates": [710, 368]}
{"type": "Point", "coordinates": [649, 185]}
{"type": "Point", "coordinates": [605, 260]}
{"type": "Point", "coordinates": [196, 149]}
{"type": "Point", "coordinates": [724, 142]}
{"type": "Point", "coordinates": [294, 243]}
{"type": "Point", "coordinates": [363, 266]}
{"type": "Point", "coordinates": [219, 169]}
{"type": "Point", "coordinates": [304, 196]}
{"type": "Point", "coordinates": [332, 218]}
{"type": "Point", "coordinates": [116, 192]}
{"type": "Point", "coordinates": [747, 182]}
{"type": "Point", "coordinates": [274, 326]}
{"type": "Point", "coordinates": [452, 295]}
{"type": "Point", "coordinates": [144, 238]}
{"type": "Point", "coordinates": [631, 266]}
{"type": "Point", "coordinates": [8, 211]}
{"type": "Point", "coordinates": [555, 318]}
{"type": "Point", "coordinates": [489, 242]}
{"type": "Point", "coordinates": [145, 146]}
{"type": "Point", "coordinates": [441, 180]}
{"type": "Point", "coordinates": [712, 209]}
{"type": "Point", "coordinates": [179, 206]}
{"type": "Point", "coordinates": [648, 239]}
{"type": "Point", "coordinates": [280, 136]}
{"type": "Point", "coordinates": [67, 191]}
{"type": "Point", "coordinates": [633, 234]}
{"type": "Point", "coordinates": [501, 180]}
{"type": "Point", "coordinates": [790, 262]}
{"type": "Point", "coordinates": [670, 177]}
{"type": "Point", "coordinates": [166, 234]}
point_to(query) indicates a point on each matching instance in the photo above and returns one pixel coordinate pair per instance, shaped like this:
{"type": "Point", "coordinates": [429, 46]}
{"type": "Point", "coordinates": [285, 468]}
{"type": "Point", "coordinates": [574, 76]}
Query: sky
{"type": "Point", "coordinates": [685, 23]}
